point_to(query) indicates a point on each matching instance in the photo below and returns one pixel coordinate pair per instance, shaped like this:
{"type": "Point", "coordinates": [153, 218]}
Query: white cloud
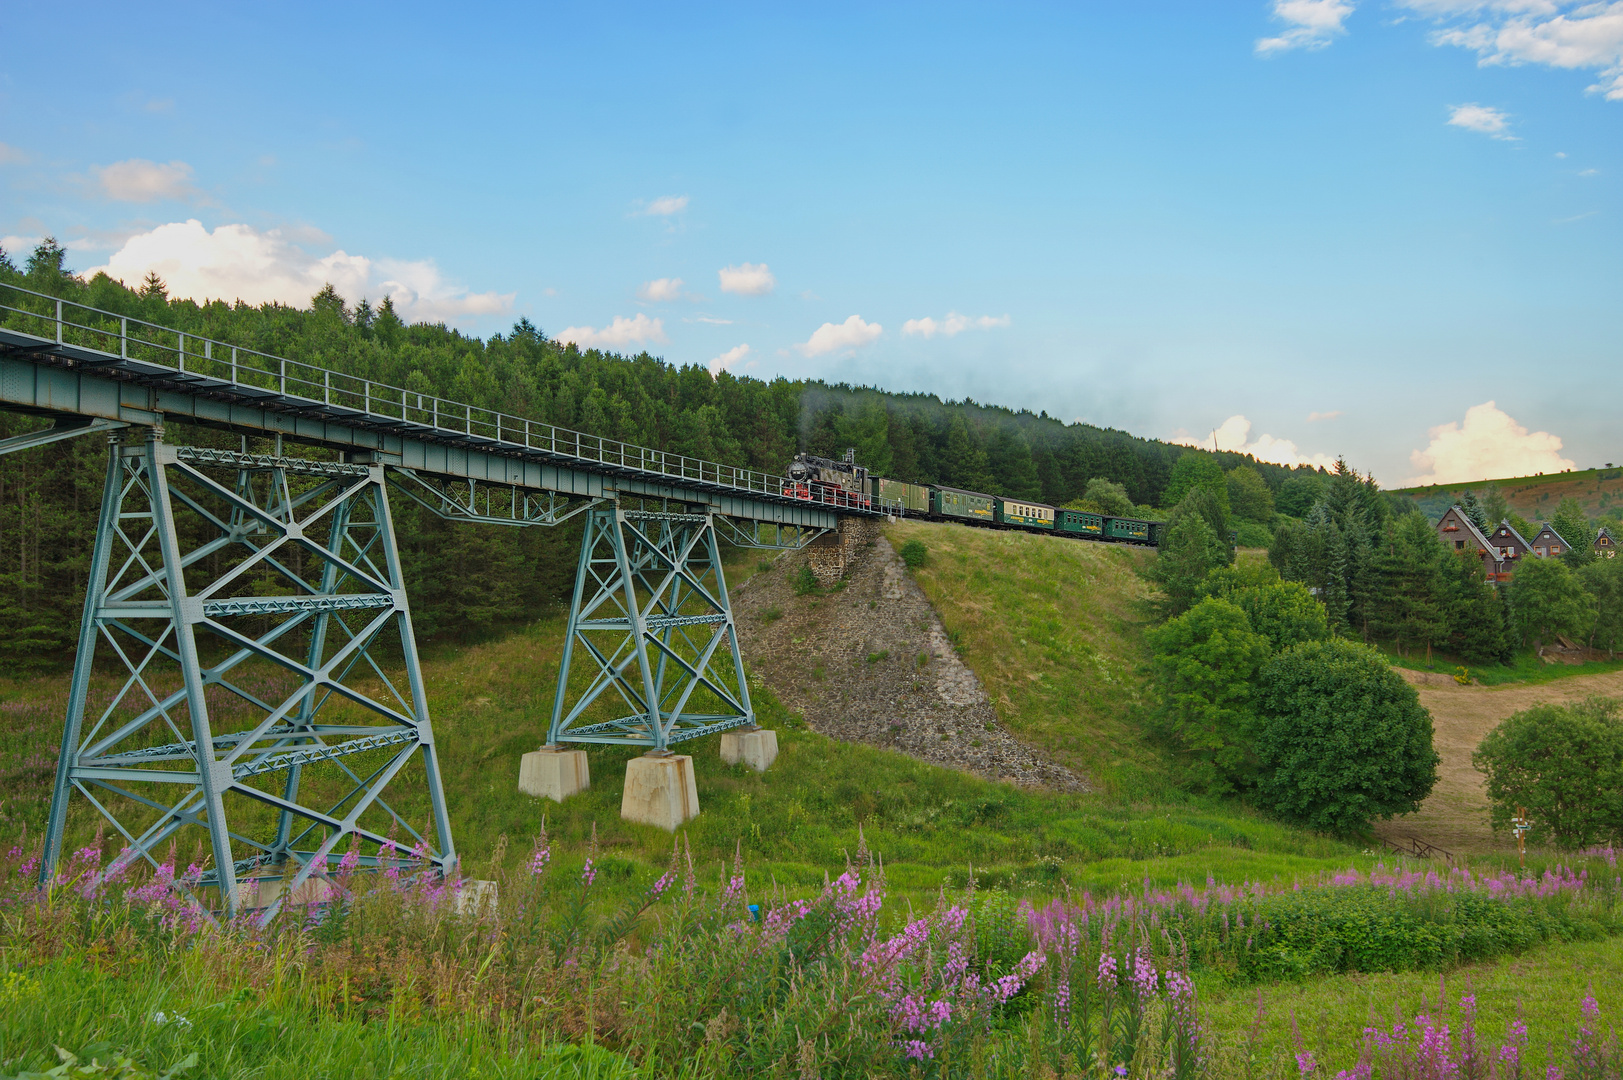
{"type": "Point", "coordinates": [953, 324]}
{"type": "Point", "coordinates": [139, 180]}
{"type": "Point", "coordinates": [11, 155]}
{"type": "Point", "coordinates": [712, 320]}
{"type": "Point", "coordinates": [239, 262]}
{"type": "Point", "coordinates": [728, 359]}
{"type": "Point", "coordinates": [1313, 417]}
{"type": "Point", "coordinates": [1588, 172]}
{"type": "Point", "coordinates": [665, 206]}
{"type": "Point", "coordinates": [661, 290]}
{"type": "Point", "coordinates": [1309, 24]}
{"type": "Point", "coordinates": [621, 333]}
{"type": "Point", "coordinates": [850, 334]}
{"type": "Point", "coordinates": [747, 279]}
{"type": "Point", "coordinates": [1481, 118]}
{"type": "Point", "coordinates": [1570, 34]}
{"type": "Point", "coordinates": [1489, 445]}
{"type": "Point", "coordinates": [1235, 435]}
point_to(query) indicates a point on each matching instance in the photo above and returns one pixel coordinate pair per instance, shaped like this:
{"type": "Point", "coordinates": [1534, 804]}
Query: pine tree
{"type": "Point", "coordinates": [1573, 525]}
{"type": "Point", "coordinates": [1473, 510]}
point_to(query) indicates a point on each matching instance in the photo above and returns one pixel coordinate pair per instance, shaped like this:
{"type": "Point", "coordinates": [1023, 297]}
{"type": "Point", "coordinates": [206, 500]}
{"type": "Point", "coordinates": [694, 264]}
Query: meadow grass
{"type": "Point", "coordinates": [161, 1017]}
{"type": "Point", "coordinates": [1525, 668]}
{"type": "Point", "coordinates": [1545, 987]}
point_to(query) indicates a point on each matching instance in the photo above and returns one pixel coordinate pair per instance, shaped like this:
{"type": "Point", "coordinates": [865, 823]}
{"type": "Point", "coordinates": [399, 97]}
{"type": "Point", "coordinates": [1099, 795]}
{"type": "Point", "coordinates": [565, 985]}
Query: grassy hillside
{"type": "Point", "coordinates": [1054, 628]}
{"type": "Point", "coordinates": [1054, 634]}
{"type": "Point", "coordinates": [1534, 497]}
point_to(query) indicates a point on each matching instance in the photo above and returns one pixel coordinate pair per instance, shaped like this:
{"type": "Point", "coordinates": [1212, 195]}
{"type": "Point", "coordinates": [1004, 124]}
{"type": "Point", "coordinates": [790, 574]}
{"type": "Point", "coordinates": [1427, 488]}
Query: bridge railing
{"type": "Point", "coordinates": [307, 386]}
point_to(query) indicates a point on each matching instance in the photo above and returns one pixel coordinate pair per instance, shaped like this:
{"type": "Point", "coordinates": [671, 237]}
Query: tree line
{"type": "Point", "coordinates": [1237, 643]}
{"type": "Point", "coordinates": [467, 579]}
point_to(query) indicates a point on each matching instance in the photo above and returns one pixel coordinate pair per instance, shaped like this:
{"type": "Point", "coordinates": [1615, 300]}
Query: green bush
{"type": "Point", "coordinates": [1206, 661]}
{"type": "Point", "coordinates": [804, 581]}
{"type": "Point", "coordinates": [1564, 763]}
{"type": "Point", "coordinates": [1343, 740]}
{"type": "Point", "coordinates": [914, 553]}
{"type": "Point", "coordinates": [1252, 535]}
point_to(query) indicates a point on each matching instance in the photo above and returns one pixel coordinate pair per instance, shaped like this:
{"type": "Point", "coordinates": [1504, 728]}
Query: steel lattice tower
{"type": "Point", "coordinates": [246, 601]}
{"type": "Point", "coordinates": [651, 616]}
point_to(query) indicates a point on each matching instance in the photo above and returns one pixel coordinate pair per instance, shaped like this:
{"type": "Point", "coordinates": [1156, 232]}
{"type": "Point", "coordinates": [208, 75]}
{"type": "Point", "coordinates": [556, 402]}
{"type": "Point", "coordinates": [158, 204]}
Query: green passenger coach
{"type": "Point", "coordinates": [1024, 515]}
{"type": "Point", "coordinates": [1081, 522]}
{"type": "Point", "coordinates": [1127, 529]}
{"type": "Point", "coordinates": [962, 505]}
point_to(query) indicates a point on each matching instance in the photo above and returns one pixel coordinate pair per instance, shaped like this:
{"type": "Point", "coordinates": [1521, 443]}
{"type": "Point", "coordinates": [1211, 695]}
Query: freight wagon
{"type": "Point", "coordinates": [913, 498]}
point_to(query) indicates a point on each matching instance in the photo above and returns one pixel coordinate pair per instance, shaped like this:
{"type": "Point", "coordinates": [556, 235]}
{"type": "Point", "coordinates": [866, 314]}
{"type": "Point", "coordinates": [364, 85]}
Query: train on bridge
{"type": "Point", "coordinates": [845, 483]}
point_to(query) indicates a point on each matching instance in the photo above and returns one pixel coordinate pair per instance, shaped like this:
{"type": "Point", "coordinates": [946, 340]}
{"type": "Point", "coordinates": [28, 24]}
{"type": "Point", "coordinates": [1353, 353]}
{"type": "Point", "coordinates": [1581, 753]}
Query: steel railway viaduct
{"type": "Point", "coordinates": [247, 599]}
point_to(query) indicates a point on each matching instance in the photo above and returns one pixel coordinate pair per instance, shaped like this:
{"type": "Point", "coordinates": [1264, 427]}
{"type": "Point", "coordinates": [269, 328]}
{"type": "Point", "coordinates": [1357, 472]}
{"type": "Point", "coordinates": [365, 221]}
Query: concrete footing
{"type": "Point", "coordinates": [553, 773]}
{"type": "Point", "coordinates": [476, 897]}
{"type": "Point", "coordinates": [758, 748]}
{"type": "Point", "coordinates": [266, 891]}
{"type": "Point", "coordinates": [660, 791]}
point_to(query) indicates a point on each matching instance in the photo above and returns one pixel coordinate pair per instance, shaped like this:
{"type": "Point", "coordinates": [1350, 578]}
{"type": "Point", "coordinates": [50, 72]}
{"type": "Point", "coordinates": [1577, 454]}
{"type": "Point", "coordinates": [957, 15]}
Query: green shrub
{"type": "Point", "coordinates": [772, 614]}
{"type": "Point", "coordinates": [914, 554]}
{"type": "Point", "coordinates": [1252, 535]}
{"type": "Point", "coordinates": [1564, 763]}
{"type": "Point", "coordinates": [1206, 661]}
{"type": "Point", "coordinates": [1343, 740]}
{"type": "Point", "coordinates": [804, 581]}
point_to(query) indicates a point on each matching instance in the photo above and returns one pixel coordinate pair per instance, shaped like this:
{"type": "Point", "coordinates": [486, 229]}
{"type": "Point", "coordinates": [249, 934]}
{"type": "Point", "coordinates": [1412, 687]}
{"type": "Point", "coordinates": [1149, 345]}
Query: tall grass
{"type": "Point", "coordinates": [404, 974]}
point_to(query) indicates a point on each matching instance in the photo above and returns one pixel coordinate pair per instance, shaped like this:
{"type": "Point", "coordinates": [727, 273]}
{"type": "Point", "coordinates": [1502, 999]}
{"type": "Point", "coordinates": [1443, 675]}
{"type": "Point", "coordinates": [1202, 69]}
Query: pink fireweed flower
{"type": "Point", "coordinates": [658, 888]}
{"type": "Point", "coordinates": [540, 857]}
{"type": "Point", "coordinates": [1108, 979]}
{"type": "Point", "coordinates": [588, 873]}
{"type": "Point", "coordinates": [1305, 1063]}
{"type": "Point", "coordinates": [1144, 977]}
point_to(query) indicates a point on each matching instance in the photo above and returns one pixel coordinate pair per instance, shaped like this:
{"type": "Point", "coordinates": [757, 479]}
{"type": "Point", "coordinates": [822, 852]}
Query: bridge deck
{"type": "Point", "coordinates": [61, 359]}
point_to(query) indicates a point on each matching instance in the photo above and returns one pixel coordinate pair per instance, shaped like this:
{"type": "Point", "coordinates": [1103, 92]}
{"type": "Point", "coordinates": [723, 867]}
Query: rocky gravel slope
{"type": "Point", "coordinates": [870, 662]}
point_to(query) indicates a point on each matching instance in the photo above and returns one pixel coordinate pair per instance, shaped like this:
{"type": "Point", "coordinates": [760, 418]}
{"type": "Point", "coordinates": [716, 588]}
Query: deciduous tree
{"type": "Point", "coordinates": [1342, 739]}
{"type": "Point", "coordinates": [1564, 763]}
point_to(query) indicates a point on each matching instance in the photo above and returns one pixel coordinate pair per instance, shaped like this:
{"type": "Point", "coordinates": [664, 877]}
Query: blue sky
{"type": "Point", "coordinates": [1321, 226]}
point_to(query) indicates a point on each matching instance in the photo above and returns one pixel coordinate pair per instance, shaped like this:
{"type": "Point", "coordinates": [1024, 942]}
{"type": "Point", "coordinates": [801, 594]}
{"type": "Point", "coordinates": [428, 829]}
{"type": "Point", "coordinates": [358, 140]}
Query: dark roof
{"type": "Point", "coordinates": [1548, 528]}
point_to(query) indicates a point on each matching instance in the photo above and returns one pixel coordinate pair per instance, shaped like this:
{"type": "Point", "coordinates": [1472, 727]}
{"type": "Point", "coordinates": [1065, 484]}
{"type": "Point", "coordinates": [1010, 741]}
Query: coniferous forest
{"type": "Point", "coordinates": [466, 580]}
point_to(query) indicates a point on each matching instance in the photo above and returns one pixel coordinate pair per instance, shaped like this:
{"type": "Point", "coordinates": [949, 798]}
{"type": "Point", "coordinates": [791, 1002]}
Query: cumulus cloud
{"type": "Point", "coordinates": [1481, 118]}
{"type": "Point", "coordinates": [1235, 435]}
{"type": "Point", "coordinates": [953, 324]}
{"type": "Point", "coordinates": [239, 262]}
{"type": "Point", "coordinates": [1489, 445]}
{"type": "Point", "coordinates": [665, 206]}
{"type": "Point", "coordinates": [1569, 34]}
{"type": "Point", "coordinates": [620, 334]}
{"type": "Point", "coordinates": [1309, 24]}
{"type": "Point", "coordinates": [728, 359]}
{"type": "Point", "coordinates": [1313, 417]}
{"type": "Point", "coordinates": [140, 180]}
{"type": "Point", "coordinates": [661, 290]}
{"type": "Point", "coordinates": [747, 279]}
{"type": "Point", "coordinates": [852, 333]}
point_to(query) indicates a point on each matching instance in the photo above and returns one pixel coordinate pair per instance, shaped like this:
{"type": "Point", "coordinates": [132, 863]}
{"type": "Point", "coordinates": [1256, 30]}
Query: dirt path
{"type": "Point", "coordinates": [1455, 817]}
